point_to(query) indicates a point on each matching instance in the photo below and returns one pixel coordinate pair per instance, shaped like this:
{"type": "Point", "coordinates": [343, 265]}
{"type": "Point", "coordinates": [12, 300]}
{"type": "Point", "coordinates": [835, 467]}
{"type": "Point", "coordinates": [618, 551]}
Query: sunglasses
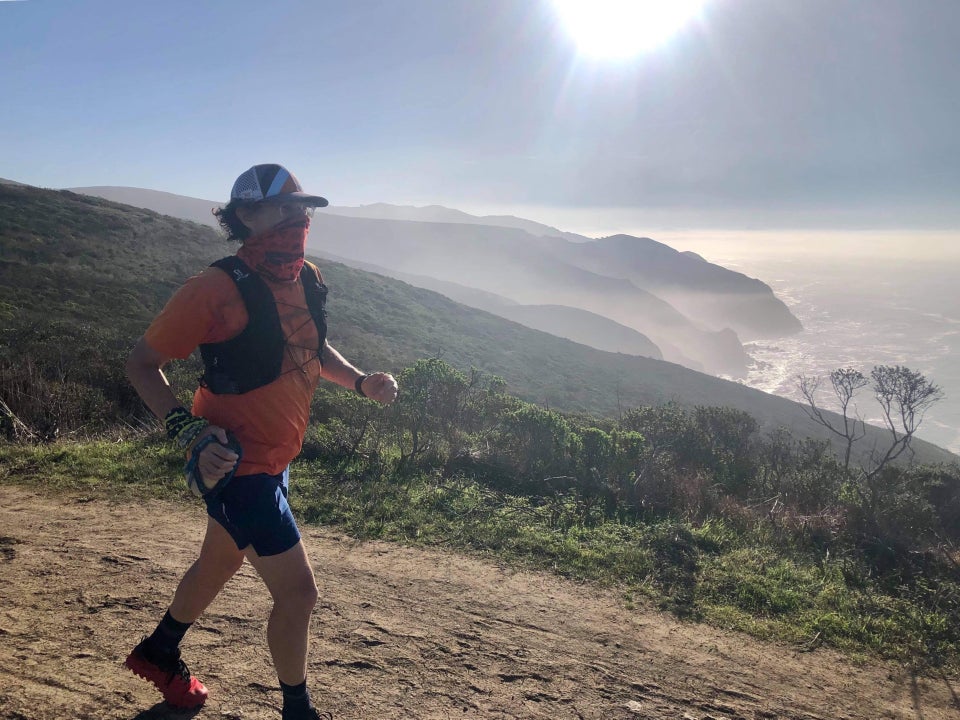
{"type": "Point", "coordinates": [294, 210]}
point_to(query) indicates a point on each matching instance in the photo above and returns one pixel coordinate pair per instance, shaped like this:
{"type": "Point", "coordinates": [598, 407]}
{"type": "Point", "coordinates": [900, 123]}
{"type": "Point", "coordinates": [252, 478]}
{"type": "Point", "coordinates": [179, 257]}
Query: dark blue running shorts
{"type": "Point", "coordinates": [254, 510]}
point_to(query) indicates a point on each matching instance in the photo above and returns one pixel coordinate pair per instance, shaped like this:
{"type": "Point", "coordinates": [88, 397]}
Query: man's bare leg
{"type": "Point", "coordinates": [157, 658]}
{"type": "Point", "coordinates": [219, 560]}
{"type": "Point", "coordinates": [290, 580]}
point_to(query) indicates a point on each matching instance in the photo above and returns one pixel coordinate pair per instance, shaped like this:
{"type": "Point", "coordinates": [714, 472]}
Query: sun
{"type": "Point", "coordinates": [618, 29]}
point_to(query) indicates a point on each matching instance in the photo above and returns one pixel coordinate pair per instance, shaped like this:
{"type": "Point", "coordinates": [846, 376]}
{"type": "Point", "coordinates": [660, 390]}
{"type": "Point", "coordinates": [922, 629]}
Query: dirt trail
{"type": "Point", "coordinates": [399, 633]}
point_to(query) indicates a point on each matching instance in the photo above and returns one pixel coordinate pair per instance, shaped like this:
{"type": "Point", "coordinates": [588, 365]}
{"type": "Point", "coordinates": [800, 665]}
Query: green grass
{"type": "Point", "coordinates": [809, 603]}
{"type": "Point", "coordinates": [731, 578]}
{"type": "Point", "coordinates": [128, 470]}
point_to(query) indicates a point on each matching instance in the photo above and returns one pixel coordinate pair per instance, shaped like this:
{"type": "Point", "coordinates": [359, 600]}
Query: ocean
{"type": "Point", "coordinates": [860, 312]}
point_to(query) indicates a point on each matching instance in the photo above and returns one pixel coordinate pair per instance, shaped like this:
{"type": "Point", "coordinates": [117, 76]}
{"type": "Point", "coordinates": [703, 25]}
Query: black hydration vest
{"type": "Point", "coordinates": [253, 358]}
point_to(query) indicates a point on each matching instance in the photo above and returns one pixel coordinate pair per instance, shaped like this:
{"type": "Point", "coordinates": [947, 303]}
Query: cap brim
{"type": "Point", "coordinates": [297, 197]}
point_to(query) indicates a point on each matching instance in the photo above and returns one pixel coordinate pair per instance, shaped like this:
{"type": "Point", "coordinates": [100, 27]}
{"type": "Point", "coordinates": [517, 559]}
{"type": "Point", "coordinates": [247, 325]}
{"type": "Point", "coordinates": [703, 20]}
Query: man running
{"type": "Point", "coordinates": [258, 318]}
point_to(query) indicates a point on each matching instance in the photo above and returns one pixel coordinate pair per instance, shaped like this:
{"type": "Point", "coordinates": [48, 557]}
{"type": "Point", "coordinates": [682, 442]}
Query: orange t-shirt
{"type": "Point", "coordinates": [270, 421]}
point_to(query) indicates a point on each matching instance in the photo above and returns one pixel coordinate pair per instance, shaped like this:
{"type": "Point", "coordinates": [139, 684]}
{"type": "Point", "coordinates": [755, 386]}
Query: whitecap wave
{"type": "Point", "coordinates": [888, 321]}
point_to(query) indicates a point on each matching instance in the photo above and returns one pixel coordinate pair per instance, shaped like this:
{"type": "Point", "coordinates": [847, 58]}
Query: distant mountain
{"type": "Point", "coordinates": [180, 206]}
{"type": "Point", "coordinates": [605, 277]}
{"type": "Point", "coordinates": [73, 266]}
{"type": "Point", "coordinates": [583, 327]}
{"type": "Point", "coordinates": [574, 324]}
{"type": "Point", "coordinates": [505, 262]}
{"type": "Point", "coordinates": [708, 293]}
{"type": "Point", "coordinates": [712, 294]}
{"type": "Point", "coordinates": [198, 210]}
{"type": "Point", "coordinates": [438, 213]}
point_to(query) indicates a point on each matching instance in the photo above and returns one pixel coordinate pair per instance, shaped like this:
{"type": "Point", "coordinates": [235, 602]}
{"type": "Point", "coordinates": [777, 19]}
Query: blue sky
{"type": "Point", "coordinates": [759, 114]}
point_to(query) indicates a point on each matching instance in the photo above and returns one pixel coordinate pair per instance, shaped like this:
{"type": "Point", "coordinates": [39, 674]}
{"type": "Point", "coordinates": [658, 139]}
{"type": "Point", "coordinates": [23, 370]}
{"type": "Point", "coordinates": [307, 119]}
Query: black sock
{"type": "Point", "coordinates": [295, 697]}
{"type": "Point", "coordinates": [166, 638]}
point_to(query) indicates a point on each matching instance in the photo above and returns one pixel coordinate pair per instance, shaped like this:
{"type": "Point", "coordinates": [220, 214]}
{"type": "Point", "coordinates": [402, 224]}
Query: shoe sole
{"type": "Point", "coordinates": [179, 706]}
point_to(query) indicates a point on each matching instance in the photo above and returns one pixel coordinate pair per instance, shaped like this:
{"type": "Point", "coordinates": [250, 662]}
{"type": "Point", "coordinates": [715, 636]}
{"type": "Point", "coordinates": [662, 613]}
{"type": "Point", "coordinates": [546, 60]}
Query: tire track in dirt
{"type": "Point", "coordinates": [398, 633]}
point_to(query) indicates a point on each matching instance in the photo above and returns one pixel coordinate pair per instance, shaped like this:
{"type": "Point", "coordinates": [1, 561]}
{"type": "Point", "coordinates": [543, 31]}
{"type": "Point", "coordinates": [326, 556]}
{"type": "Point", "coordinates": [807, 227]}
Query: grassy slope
{"type": "Point", "coordinates": [79, 259]}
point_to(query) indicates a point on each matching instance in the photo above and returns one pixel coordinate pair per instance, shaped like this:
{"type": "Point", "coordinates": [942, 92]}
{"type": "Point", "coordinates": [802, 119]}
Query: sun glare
{"type": "Point", "coordinates": [618, 29]}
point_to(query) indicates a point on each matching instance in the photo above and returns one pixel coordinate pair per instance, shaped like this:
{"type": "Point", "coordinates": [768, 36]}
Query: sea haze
{"type": "Point", "coordinates": [864, 298]}
{"type": "Point", "coordinates": [860, 313]}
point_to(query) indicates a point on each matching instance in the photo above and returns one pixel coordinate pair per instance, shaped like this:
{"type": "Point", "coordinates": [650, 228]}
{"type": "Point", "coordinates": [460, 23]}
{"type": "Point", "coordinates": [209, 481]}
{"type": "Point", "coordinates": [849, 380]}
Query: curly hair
{"type": "Point", "coordinates": [230, 223]}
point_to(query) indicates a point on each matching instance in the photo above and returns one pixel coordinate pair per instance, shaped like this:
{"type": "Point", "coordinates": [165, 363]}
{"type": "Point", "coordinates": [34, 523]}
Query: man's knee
{"type": "Point", "coordinates": [301, 599]}
{"type": "Point", "coordinates": [309, 595]}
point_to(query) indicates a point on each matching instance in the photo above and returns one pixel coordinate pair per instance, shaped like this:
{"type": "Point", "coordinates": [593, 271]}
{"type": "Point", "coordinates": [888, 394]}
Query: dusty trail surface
{"type": "Point", "coordinates": [399, 633]}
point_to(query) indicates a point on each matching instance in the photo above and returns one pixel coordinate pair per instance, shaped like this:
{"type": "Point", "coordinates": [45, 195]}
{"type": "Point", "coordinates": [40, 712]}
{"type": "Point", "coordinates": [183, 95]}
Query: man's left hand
{"type": "Point", "coordinates": [381, 387]}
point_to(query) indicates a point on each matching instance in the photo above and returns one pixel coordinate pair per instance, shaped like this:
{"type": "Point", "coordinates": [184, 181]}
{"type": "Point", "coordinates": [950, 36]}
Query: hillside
{"type": "Point", "coordinates": [438, 213]}
{"type": "Point", "coordinates": [179, 206]}
{"type": "Point", "coordinates": [581, 326]}
{"type": "Point", "coordinates": [87, 274]}
{"type": "Point", "coordinates": [713, 294]}
{"type": "Point", "coordinates": [199, 210]}
{"type": "Point", "coordinates": [526, 263]}
{"type": "Point", "coordinates": [502, 261]}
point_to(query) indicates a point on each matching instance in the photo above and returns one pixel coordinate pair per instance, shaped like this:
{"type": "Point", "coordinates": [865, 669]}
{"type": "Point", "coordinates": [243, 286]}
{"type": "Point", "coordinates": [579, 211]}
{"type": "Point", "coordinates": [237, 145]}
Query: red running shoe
{"type": "Point", "coordinates": [170, 675]}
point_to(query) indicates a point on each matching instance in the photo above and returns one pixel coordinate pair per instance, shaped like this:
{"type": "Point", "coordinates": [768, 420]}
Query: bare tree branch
{"type": "Point", "coordinates": [845, 383]}
{"type": "Point", "coordinates": [904, 396]}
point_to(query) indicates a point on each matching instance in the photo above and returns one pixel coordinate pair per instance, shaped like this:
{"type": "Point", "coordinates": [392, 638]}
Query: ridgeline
{"type": "Point", "coordinates": [682, 489]}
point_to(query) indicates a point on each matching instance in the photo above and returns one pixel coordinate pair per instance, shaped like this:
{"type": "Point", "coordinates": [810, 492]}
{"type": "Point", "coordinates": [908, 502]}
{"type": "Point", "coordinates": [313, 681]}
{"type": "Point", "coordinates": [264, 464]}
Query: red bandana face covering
{"type": "Point", "coordinates": [278, 254]}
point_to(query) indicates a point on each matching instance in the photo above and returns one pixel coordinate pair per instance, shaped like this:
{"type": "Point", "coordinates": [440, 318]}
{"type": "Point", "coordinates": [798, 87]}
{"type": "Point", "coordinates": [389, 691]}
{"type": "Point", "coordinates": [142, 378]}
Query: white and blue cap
{"type": "Point", "coordinates": [274, 184]}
